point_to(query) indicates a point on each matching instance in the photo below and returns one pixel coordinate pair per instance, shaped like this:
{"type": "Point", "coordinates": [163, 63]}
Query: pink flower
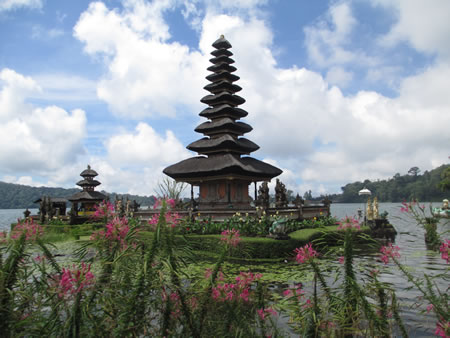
{"type": "Point", "coordinates": [295, 292]}
{"type": "Point", "coordinates": [116, 232]}
{"type": "Point", "coordinates": [268, 311]}
{"type": "Point", "coordinates": [3, 237]}
{"type": "Point", "coordinates": [73, 281]}
{"type": "Point", "coordinates": [230, 237]}
{"type": "Point", "coordinates": [31, 230]}
{"type": "Point", "coordinates": [171, 203]}
{"type": "Point", "coordinates": [287, 293]}
{"type": "Point", "coordinates": [305, 253]}
{"type": "Point", "coordinates": [445, 249]}
{"type": "Point", "coordinates": [341, 260]}
{"type": "Point", "coordinates": [208, 273]}
{"type": "Point", "coordinates": [261, 314]}
{"type": "Point", "coordinates": [429, 308]}
{"type": "Point", "coordinates": [348, 223]}
{"type": "Point", "coordinates": [442, 329]}
{"type": "Point", "coordinates": [39, 259]}
{"type": "Point", "coordinates": [308, 304]}
{"type": "Point", "coordinates": [389, 251]}
{"type": "Point", "coordinates": [172, 219]}
{"type": "Point", "coordinates": [235, 291]}
{"type": "Point", "coordinates": [104, 210]}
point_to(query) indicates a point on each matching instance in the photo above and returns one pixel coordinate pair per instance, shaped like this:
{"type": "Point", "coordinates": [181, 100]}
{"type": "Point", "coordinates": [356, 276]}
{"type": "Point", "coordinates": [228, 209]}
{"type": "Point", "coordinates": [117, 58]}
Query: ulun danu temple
{"type": "Point", "coordinates": [222, 171]}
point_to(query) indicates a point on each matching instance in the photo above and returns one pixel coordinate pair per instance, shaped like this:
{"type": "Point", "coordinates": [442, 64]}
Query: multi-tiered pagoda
{"type": "Point", "coordinates": [83, 202]}
{"type": "Point", "coordinates": [222, 171]}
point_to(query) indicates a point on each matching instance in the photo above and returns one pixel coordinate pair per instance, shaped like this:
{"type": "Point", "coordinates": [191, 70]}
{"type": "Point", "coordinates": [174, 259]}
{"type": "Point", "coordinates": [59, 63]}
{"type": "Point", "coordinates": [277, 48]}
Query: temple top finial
{"type": "Point", "coordinates": [222, 36]}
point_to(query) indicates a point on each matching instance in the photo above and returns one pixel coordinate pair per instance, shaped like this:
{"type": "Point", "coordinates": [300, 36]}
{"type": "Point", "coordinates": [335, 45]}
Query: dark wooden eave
{"type": "Point", "coordinates": [223, 125]}
{"type": "Point", "coordinates": [197, 169]}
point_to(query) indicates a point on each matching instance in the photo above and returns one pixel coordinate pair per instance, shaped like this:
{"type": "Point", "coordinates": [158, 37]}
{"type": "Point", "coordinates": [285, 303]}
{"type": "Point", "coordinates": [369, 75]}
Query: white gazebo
{"type": "Point", "coordinates": [365, 192]}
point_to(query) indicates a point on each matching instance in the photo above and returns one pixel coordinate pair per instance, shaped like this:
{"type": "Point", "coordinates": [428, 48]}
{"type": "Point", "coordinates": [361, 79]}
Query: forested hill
{"type": "Point", "coordinates": [413, 185]}
{"type": "Point", "coordinates": [17, 196]}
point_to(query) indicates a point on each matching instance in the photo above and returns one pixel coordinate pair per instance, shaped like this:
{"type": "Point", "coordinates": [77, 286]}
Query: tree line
{"type": "Point", "coordinates": [18, 196]}
{"type": "Point", "coordinates": [431, 186]}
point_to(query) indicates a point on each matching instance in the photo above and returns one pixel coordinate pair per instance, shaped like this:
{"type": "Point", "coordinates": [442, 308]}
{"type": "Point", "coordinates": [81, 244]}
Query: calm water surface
{"type": "Point", "coordinates": [414, 254]}
{"type": "Point", "coordinates": [8, 216]}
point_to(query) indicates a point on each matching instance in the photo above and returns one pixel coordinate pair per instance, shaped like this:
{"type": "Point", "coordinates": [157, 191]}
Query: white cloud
{"type": "Point", "coordinates": [318, 136]}
{"type": "Point", "coordinates": [145, 147]}
{"type": "Point", "coordinates": [424, 25]}
{"type": "Point", "coordinates": [339, 76]}
{"type": "Point", "coordinates": [146, 75]}
{"type": "Point", "coordinates": [327, 41]}
{"type": "Point", "coordinates": [41, 33]}
{"type": "Point", "coordinates": [7, 5]}
{"type": "Point", "coordinates": [64, 87]}
{"type": "Point", "coordinates": [37, 140]}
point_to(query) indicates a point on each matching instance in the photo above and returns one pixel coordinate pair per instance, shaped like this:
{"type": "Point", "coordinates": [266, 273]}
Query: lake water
{"type": "Point", "coordinates": [8, 216]}
{"type": "Point", "coordinates": [414, 254]}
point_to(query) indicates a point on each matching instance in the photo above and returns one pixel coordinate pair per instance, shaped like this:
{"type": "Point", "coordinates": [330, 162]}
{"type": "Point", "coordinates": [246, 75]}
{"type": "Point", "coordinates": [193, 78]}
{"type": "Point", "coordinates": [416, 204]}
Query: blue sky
{"type": "Point", "coordinates": [337, 91]}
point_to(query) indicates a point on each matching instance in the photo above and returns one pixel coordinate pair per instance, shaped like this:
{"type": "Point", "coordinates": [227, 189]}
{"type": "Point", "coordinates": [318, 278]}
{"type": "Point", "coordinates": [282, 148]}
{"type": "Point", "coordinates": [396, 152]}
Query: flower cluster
{"type": "Point", "coordinates": [116, 231]}
{"type": "Point", "coordinates": [389, 251]}
{"type": "Point", "coordinates": [170, 202]}
{"type": "Point", "coordinates": [175, 299]}
{"type": "Point", "coordinates": [230, 237]}
{"type": "Point", "coordinates": [31, 230]}
{"type": "Point", "coordinates": [3, 237]}
{"type": "Point", "coordinates": [72, 281]}
{"type": "Point", "coordinates": [235, 291]}
{"type": "Point", "coordinates": [104, 210]}
{"type": "Point", "coordinates": [445, 249]}
{"type": "Point", "coordinates": [348, 223]}
{"type": "Point", "coordinates": [442, 329]}
{"type": "Point", "coordinates": [305, 253]}
{"type": "Point", "coordinates": [262, 313]}
{"type": "Point", "coordinates": [172, 219]}
{"type": "Point", "coordinates": [295, 292]}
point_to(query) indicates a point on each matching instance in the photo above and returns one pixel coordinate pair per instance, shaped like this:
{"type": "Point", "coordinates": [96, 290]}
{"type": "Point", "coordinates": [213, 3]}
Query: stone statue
{"type": "Point", "coordinates": [128, 207]}
{"type": "Point", "coordinates": [135, 206]}
{"type": "Point", "coordinates": [122, 208]}
{"type": "Point", "coordinates": [263, 195]}
{"type": "Point", "coordinates": [369, 210]}
{"type": "Point", "coordinates": [42, 210]}
{"type": "Point", "coordinates": [298, 202]}
{"type": "Point", "coordinates": [119, 207]}
{"type": "Point", "coordinates": [375, 209]}
{"type": "Point", "coordinates": [280, 195]}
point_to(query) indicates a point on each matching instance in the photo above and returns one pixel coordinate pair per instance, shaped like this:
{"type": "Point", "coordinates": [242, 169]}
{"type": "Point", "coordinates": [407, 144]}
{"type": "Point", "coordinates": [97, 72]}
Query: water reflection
{"type": "Point", "coordinates": [416, 257]}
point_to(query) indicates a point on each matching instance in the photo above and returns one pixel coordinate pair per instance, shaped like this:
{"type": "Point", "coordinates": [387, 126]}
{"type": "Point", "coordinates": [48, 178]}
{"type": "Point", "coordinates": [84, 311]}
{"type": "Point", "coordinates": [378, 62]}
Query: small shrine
{"type": "Point", "coordinates": [222, 170]}
{"type": "Point", "coordinates": [83, 202]}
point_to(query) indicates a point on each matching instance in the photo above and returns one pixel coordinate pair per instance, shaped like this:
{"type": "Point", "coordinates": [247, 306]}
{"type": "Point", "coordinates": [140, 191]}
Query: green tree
{"type": "Point", "coordinates": [414, 171]}
{"type": "Point", "coordinates": [444, 184]}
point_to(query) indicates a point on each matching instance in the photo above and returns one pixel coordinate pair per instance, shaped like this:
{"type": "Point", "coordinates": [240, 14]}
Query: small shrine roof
{"type": "Point", "coordinates": [92, 183]}
{"type": "Point", "coordinates": [87, 196]}
{"type": "Point", "coordinates": [88, 172]}
{"type": "Point", "coordinates": [53, 200]}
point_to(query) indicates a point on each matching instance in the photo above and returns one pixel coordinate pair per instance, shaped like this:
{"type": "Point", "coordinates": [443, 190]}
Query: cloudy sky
{"type": "Point", "coordinates": [337, 91]}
